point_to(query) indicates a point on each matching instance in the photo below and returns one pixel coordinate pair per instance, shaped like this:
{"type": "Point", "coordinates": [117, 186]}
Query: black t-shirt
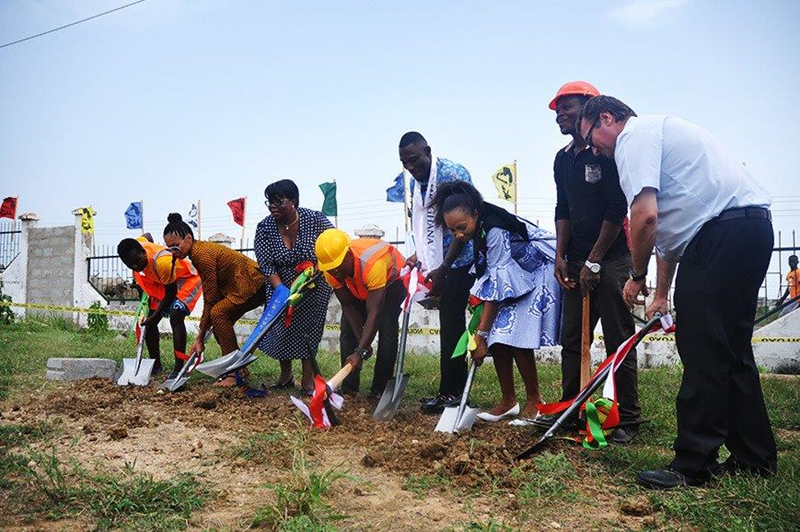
{"type": "Point", "coordinates": [588, 193]}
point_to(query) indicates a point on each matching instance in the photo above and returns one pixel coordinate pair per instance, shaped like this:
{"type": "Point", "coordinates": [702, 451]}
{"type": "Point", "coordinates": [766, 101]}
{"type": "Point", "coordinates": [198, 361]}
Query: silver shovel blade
{"type": "Point", "coordinates": [172, 385]}
{"type": "Point", "coordinates": [244, 360]}
{"type": "Point", "coordinates": [131, 376]}
{"type": "Point", "coordinates": [218, 367]}
{"type": "Point", "coordinates": [450, 422]}
{"type": "Point", "coordinates": [390, 400]}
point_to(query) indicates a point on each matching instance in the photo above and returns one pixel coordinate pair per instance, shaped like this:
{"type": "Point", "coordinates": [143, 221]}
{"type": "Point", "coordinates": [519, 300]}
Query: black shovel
{"type": "Point", "coordinates": [592, 386]}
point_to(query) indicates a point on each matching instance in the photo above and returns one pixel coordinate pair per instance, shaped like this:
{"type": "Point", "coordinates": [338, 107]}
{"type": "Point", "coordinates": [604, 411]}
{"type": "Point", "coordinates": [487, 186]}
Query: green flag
{"type": "Point", "coordinates": [329, 205]}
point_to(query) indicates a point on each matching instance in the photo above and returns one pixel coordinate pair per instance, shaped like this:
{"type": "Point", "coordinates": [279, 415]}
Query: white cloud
{"type": "Point", "coordinates": [645, 13]}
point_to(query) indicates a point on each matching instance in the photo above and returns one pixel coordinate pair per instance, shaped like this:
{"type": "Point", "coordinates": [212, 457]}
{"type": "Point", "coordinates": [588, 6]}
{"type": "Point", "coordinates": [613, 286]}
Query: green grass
{"type": "Point", "coordinates": [420, 485]}
{"type": "Point", "coordinates": [126, 499]}
{"type": "Point", "coordinates": [45, 487]}
{"type": "Point", "coordinates": [300, 501]}
{"type": "Point", "coordinates": [257, 446]}
{"type": "Point", "coordinates": [740, 502]}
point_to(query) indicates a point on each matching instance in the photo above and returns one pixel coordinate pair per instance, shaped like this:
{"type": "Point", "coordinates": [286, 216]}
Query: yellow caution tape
{"type": "Point", "coordinates": [335, 326]}
{"type": "Point", "coordinates": [411, 330]}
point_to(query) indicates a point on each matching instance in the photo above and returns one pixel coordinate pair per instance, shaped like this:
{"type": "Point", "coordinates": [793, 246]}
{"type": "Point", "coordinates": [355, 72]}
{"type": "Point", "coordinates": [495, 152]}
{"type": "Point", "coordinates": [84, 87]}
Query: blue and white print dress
{"type": "Point", "coordinates": [519, 275]}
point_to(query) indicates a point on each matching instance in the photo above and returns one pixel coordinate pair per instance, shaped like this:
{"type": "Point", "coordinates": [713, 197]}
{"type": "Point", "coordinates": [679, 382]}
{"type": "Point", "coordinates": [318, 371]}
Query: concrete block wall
{"type": "Point", "coordinates": [51, 266]}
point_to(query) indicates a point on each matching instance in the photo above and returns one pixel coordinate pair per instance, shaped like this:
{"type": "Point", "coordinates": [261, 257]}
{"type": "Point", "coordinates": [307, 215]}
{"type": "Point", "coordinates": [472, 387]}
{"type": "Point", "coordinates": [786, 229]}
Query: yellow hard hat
{"type": "Point", "coordinates": [331, 247]}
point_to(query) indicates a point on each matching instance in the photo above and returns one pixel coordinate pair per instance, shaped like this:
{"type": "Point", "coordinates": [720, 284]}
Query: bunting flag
{"type": "Point", "coordinates": [133, 216]}
{"type": "Point", "coordinates": [9, 208]}
{"type": "Point", "coordinates": [396, 193]}
{"type": "Point", "coordinates": [191, 219]}
{"type": "Point", "coordinates": [467, 341]}
{"type": "Point", "coordinates": [504, 180]}
{"type": "Point", "coordinates": [329, 204]}
{"type": "Point", "coordinates": [87, 220]}
{"type": "Point", "coordinates": [416, 287]}
{"type": "Point", "coordinates": [237, 208]}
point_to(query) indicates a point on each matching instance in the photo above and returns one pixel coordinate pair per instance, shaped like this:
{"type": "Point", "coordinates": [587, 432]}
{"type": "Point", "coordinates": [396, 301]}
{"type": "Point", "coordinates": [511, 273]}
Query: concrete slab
{"type": "Point", "coordinates": [72, 369]}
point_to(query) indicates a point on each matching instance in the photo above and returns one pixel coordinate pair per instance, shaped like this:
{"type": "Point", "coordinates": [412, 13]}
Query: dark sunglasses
{"type": "Point", "coordinates": [588, 137]}
{"type": "Point", "coordinates": [277, 204]}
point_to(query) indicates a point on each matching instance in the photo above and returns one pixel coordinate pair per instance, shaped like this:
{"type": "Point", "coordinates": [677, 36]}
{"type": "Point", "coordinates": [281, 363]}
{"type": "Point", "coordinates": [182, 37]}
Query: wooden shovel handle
{"type": "Point", "coordinates": [336, 381]}
{"type": "Point", "coordinates": [586, 362]}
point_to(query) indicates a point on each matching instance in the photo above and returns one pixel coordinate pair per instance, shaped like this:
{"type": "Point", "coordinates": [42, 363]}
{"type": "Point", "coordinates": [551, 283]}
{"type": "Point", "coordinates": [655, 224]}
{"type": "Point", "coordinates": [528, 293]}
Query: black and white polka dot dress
{"type": "Point", "coordinates": [302, 338]}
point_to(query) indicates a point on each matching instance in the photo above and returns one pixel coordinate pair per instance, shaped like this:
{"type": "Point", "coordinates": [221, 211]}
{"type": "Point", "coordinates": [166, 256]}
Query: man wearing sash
{"type": "Point", "coordinates": [445, 260]}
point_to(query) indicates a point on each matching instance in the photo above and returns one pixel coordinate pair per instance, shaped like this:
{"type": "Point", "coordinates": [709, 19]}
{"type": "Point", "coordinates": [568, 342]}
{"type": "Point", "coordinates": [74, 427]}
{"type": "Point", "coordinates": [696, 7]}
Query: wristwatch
{"type": "Point", "coordinates": [364, 353]}
{"type": "Point", "coordinates": [594, 267]}
{"type": "Point", "coordinates": [638, 277]}
{"type": "Point", "coordinates": [482, 334]}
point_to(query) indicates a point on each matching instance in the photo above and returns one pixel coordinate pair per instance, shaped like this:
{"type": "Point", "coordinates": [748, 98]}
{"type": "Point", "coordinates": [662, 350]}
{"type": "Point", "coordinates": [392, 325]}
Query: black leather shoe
{"type": "Point", "coordinates": [666, 479]}
{"type": "Point", "coordinates": [439, 403]}
{"type": "Point", "coordinates": [549, 420]}
{"type": "Point", "coordinates": [623, 435]}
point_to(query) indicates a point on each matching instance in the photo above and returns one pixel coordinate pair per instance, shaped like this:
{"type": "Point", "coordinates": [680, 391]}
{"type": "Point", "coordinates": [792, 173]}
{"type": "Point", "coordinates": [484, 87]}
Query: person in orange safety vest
{"type": "Point", "coordinates": [365, 276]}
{"type": "Point", "coordinates": [174, 288]}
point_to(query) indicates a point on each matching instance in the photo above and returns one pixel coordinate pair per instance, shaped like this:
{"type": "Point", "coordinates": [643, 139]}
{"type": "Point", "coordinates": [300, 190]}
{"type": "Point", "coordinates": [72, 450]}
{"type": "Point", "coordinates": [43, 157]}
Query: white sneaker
{"type": "Point", "coordinates": [486, 416]}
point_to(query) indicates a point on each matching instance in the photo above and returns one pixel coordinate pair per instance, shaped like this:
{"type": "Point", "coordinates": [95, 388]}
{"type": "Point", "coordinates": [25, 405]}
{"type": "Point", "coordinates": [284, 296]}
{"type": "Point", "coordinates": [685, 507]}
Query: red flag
{"type": "Point", "coordinates": [237, 208]}
{"type": "Point", "coordinates": [9, 208]}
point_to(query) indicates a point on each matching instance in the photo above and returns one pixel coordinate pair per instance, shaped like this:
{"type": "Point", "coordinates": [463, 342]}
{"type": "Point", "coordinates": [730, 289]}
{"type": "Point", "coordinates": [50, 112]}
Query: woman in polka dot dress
{"type": "Point", "coordinates": [284, 240]}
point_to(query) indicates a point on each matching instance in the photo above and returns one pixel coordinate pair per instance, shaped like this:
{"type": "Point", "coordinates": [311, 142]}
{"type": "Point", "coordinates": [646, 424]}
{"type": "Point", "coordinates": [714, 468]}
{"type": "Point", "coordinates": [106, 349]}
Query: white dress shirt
{"type": "Point", "coordinates": [695, 177]}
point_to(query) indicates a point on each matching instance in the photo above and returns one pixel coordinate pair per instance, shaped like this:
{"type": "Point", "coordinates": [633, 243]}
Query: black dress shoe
{"type": "Point", "coordinates": [623, 435]}
{"type": "Point", "coordinates": [439, 403]}
{"type": "Point", "coordinates": [666, 479]}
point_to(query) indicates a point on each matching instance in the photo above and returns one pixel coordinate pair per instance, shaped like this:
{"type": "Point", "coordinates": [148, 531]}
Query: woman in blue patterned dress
{"type": "Point", "coordinates": [284, 241]}
{"type": "Point", "coordinates": [514, 263]}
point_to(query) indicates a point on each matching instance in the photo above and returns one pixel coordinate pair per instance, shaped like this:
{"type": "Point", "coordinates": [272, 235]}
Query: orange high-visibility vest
{"type": "Point", "coordinates": [187, 279]}
{"type": "Point", "coordinates": [366, 253]}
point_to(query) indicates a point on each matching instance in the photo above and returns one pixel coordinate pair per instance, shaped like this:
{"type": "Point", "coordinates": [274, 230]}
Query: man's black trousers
{"type": "Point", "coordinates": [720, 400]}
{"type": "Point", "coordinates": [452, 323]}
{"type": "Point", "coordinates": [607, 305]}
{"type": "Point", "coordinates": [387, 340]}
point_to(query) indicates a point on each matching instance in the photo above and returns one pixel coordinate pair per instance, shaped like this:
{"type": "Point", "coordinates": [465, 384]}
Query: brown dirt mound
{"type": "Point", "coordinates": [407, 445]}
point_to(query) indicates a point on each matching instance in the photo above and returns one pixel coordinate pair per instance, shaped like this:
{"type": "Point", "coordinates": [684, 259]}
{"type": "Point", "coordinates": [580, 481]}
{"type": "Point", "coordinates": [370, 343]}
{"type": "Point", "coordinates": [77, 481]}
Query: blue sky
{"type": "Point", "coordinates": [177, 100]}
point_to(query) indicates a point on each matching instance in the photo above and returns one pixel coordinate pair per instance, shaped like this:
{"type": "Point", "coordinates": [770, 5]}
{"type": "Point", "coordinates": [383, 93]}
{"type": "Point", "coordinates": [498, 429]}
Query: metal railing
{"type": "Point", "coordinates": [778, 268]}
{"type": "Point", "coordinates": [10, 236]}
{"type": "Point", "coordinates": [109, 276]}
{"type": "Point", "coordinates": [114, 281]}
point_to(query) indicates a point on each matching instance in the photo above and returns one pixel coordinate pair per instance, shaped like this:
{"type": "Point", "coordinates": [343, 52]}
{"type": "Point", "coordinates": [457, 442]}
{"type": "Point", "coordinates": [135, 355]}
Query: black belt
{"type": "Point", "coordinates": [753, 213]}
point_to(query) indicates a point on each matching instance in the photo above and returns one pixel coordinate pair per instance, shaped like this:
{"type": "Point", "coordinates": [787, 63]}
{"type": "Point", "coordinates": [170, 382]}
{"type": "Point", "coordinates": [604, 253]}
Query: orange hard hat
{"type": "Point", "coordinates": [580, 88]}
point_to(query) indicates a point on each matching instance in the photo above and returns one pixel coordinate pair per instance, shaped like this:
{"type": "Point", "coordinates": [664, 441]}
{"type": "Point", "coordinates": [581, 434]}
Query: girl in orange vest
{"type": "Point", "coordinates": [174, 288]}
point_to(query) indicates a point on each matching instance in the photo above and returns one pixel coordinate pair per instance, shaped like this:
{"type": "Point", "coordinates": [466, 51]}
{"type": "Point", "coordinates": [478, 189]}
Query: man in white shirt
{"type": "Point", "coordinates": [697, 205]}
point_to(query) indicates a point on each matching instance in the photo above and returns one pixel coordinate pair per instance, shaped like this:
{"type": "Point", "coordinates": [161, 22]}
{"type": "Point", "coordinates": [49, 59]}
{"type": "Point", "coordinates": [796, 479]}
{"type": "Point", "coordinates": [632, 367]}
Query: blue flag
{"type": "Point", "coordinates": [133, 216]}
{"type": "Point", "coordinates": [395, 193]}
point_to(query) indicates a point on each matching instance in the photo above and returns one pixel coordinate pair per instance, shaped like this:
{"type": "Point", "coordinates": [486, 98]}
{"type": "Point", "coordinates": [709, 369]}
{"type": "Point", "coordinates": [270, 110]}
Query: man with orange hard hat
{"type": "Point", "coordinates": [592, 255]}
{"type": "Point", "coordinates": [365, 276]}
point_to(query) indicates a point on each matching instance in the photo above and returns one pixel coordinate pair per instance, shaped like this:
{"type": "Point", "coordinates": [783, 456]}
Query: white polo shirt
{"type": "Point", "coordinates": [695, 176]}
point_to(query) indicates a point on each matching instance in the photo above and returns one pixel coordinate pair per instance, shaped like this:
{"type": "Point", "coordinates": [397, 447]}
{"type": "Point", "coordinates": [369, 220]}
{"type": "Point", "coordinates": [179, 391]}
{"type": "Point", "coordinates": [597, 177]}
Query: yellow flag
{"type": "Point", "coordinates": [505, 179]}
{"type": "Point", "coordinates": [87, 220]}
